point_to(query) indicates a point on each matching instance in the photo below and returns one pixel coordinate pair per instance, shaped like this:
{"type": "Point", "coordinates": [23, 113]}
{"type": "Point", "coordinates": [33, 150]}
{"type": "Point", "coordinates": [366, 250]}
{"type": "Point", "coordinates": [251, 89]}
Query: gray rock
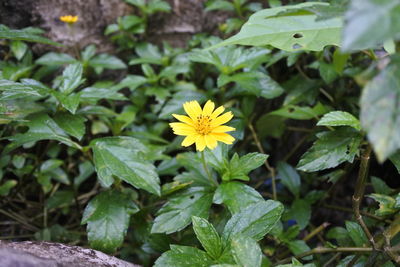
{"type": "Point", "coordinates": [46, 254]}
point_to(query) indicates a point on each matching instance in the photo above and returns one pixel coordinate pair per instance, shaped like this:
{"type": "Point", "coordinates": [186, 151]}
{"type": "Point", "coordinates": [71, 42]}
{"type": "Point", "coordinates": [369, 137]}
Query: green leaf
{"type": "Point", "coordinates": [253, 83]}
{"type": "Point", "coordinates": [72, 124]}
{"type": "Point", "coordinates": [339, 118]}
{"type": "Point", "coordinates": [14, 90]}
{"type": "Point", "coordinates": [124, 157]}
{"type": "Point", "coordinates": [298, 247]}
{"type": "Point", "coordinates": [132, 82]}
{"type": "Point", "coordinates": [386, 204]}
{"type": "Point", "coordinates": [41, 127]}
{"type": "Point", "coordinates": [27, 34]}
{"type": "Point", "coordinates": [270, 125]}
{"type": "Point", "coordinates": [158, 6]}
{"type": "Point", "coordinates": [60, 199]}
{"type": "Point", "coordinates": [300, 211]}
{"type": "Point", "coordinates": [289, 177]}
{"type": "Point", "coordinates": [7, 186]}
{"type": "Point", "coordinates": [182, 256]}
{"type": "Point", "coordinates": [300, 113]}
{"type": "Point", "coordinates": [397, 204]}
{"type": "Point", "coordinates": [208, 236]}
{"type": "Point", "coordinates": [254, 221]}
{"type": "Point", "coordinates": [236, 196]}
{"type": "Point", "coordinates": [339, 61]}
{"type": "Point", "coordinates": [175, 105]}
{"type": "Point", "coordinates": [246, 251]}
{"type": "Point", "coordinates": [69, 102]}
{"type": "Point", "coordinates": [86, 169]}
{"type": "Point", "coordinates": [231, 58]}
{"type": "Point", "coordinates": [380, 186]}
{"type": "Point", "coordinates": [18, 48]}
{"type": "Point", "coordinates": [379, 106]}
{"type": "Point", "coordinates": [107, 62]}
{"type": "Point", "coordinates": [370, 22]}
{"type": "Point", "coordinates": [395, 159]}
{"type": "Point", "coordinates": [239, 168]}
{"type": "Point", "coordinates": [148, 53]}
{"type": "Point", "coordinates": [88, 53]}
{"type": "Point", "coordinates": [292, 31]}
{"type": "Point", "coordinates": [176, 214]}
{"type": "Point", "coordinates": [331, 149]}
{"type": "Point", "coordinates": [219, 5]}
{"type": "Point", "coordinates": [340, 234]}
{"type": "Point", "coordinates": [72, 78]}
{"type": "Point", "coordinates": [327, 72]}
{"type": "Point", "coordinates": [107, 217]}
{"type": "Point", "coordinates": [94, 94]}
{"type": "Point", "coordinates": [15, 110]}
{"type": "Point", "coordinates": [55, 59]}
{"type": "Point", "coordinates": [356, 234]}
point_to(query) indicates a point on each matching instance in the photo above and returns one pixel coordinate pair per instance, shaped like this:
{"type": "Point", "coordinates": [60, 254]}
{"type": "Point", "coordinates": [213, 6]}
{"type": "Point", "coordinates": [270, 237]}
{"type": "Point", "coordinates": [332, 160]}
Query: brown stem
{"type": "Point", "coordinates": [366, 214]}
{"type": "Point", "coordinates": [359, 193]}
{"type": "Point", "coordinates": [316, 231]}
{"type": "Point", "coordinates": [269, 168]}
{"type": "Point", "coordinates": [321, 250]}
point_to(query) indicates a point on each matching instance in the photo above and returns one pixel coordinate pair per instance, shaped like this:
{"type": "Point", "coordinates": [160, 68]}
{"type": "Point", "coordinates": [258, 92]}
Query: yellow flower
{"type": "Point", "coordinates": [69, 19]}
{"type": "Point", "coordinates": [203, 126]}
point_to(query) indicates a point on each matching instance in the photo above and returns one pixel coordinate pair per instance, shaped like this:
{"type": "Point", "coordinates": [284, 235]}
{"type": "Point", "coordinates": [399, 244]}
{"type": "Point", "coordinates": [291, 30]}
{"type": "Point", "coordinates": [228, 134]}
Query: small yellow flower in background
{"type": "Point", "coordinates": [69, 19]}
{"type": "Point", "coordinates": [203, 126]}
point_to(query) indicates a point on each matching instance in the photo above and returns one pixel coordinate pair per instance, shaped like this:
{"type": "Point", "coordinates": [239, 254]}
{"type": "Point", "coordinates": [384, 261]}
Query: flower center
{"type": "Point", "coordinates": [203, 125]}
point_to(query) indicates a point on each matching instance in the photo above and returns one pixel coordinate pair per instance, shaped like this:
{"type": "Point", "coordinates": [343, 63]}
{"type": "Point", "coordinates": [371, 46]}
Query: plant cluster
{"type": "Point", "coordinates": [288, 154]}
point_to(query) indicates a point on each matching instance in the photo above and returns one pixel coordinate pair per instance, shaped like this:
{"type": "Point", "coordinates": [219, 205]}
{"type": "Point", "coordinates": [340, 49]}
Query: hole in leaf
{"type": "Point", "coordinates": [291, 110]}
{"type": "Point", "coordinates": [191, 197]}
{"type": "Point", "coordinates": [347, 149]}
{"type": "Point", "coordinates": [296, 46]}
{"type": "Point", "coordinates": [297, 35]}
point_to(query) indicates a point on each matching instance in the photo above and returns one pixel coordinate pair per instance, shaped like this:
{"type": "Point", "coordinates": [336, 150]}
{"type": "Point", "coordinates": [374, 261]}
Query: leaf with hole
{"type": "Point", "coordinates": [291, 31]}
{"type": "Point", "coordinates": [330, 149]}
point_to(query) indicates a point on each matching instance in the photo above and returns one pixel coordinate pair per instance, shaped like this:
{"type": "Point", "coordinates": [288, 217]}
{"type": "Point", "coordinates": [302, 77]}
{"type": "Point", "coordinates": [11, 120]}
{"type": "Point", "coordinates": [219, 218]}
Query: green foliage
{"type": "Point", "coordinates": [331, 149]}
{"type": "Point", "coordinates": [127, 159]}
{"type": "Point", "coordinates": [301, 30]}
{"type": "Point", "coordinates": [107, 216]}
{"type": "Point", "coordinates": [379, 18]}
{"type": "Point", "coordinates": [88, 156]}
{"type": "Point", "coordinates": [379, 104]}
{"type": "Point", "coordinates": [28, 34]}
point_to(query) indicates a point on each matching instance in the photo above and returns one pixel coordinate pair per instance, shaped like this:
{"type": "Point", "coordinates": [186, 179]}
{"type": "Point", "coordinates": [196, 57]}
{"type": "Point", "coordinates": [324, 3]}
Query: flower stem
{"type": "Point", "coordinates": [266, 163]}
{"type": "Point", "coordinates": [203, 160]}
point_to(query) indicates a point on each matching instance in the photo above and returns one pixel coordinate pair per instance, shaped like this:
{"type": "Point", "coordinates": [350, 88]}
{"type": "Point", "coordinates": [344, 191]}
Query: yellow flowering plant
{"type": "Point", "coordinates": [69, 19]}
{"type": "Point", "coordinates": [203, 127]}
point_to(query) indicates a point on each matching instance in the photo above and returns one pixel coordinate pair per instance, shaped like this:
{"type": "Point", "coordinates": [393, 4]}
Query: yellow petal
{"type": "Point", "coordinates": [224, 118]}
{"type": "Point", "coordinates": [223, 137]}
{"type": "Point", "coordinates": [189, 140]}
{"type": "Point", "coordinates": [180, 128]}
{"type": "Point", "coordinates": [208, 108]}
{"type": "Point", "coordinates": [222, 129]}
{"type": "Point", "coordinates": [200, 143]}
{"type": "Point", "coordinates": [183, 118]}
{"type": "Point", "coordinates": [218, 111]}
{"type": "Point", "coordinates": [193, 109]}
{"type": "Point", "coordinates": [211, 142]}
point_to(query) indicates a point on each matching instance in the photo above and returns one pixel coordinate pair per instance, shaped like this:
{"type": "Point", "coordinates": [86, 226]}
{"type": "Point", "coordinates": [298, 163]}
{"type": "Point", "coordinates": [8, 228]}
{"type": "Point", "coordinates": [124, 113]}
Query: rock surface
{"type": "Point", "coordinates": [186, 18]}
{"type": "Point", "coordinates": [46, 254]}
